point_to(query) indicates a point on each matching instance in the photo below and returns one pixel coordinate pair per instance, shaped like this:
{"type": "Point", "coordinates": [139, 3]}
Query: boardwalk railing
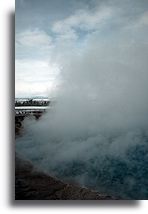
{"type": "Point", "coordinates": [30, 110]}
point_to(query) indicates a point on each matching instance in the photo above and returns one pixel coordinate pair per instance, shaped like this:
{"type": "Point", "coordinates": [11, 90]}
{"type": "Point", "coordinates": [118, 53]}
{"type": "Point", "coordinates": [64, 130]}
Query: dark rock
{"type": "Point", "coordinates": [31, 184]}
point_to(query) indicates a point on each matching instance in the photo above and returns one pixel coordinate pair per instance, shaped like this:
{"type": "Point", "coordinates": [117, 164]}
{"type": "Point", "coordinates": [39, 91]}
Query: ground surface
{"type": "Point", "coordinates": [30, 184]}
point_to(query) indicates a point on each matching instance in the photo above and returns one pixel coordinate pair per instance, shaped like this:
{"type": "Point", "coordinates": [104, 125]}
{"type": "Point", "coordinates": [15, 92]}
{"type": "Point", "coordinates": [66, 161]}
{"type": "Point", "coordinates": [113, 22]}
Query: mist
{"type": "Point", "coordinates": [95, 135]}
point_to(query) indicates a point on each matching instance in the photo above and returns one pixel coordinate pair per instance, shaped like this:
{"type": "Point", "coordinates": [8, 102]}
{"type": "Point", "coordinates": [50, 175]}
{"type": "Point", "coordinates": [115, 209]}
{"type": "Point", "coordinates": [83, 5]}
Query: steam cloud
{"type": "Point", "coordinates": [96, 134]}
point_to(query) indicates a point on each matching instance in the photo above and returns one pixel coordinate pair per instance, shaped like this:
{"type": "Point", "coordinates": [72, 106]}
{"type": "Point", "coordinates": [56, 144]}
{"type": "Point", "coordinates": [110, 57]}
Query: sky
{"type": "Point", "coordinates": [50, 33]}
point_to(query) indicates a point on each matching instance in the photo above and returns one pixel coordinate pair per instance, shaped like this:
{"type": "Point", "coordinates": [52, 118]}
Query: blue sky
{"type": "Point", "coordinates": [49, 33]}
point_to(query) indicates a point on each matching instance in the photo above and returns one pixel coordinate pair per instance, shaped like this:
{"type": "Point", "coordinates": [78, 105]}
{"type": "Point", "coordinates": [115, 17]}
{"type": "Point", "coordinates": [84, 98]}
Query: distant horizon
{"type": "Point", "coordinates": [34, 97]}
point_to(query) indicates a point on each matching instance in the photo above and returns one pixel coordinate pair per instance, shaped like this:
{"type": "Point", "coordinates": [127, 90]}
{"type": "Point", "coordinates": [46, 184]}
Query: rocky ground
{"type": "Point", "coordinates": [30, 184]}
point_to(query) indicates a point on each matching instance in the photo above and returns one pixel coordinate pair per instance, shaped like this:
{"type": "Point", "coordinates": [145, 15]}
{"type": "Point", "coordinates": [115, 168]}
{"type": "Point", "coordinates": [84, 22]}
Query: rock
{"type": "Point", "coordinates": [31, 184]}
